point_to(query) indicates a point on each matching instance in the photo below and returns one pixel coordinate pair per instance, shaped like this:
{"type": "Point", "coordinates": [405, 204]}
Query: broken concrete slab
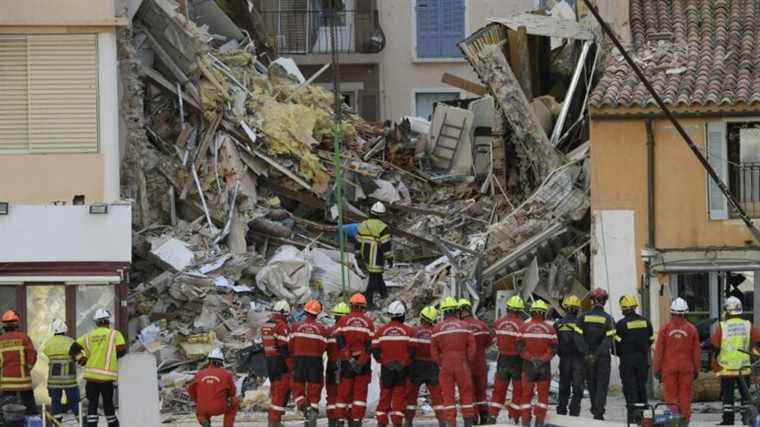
{"type": "Point", "coordinates": [172, 253]}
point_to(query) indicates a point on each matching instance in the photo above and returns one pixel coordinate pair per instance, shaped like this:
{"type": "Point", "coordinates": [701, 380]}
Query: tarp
{"type": "Point", "coordinates": [286, 275]}
{"type": "Point", "coordinates": [327, 271]}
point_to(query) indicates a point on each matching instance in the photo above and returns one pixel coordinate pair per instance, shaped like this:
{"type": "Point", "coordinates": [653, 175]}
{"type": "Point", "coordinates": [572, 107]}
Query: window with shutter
{"type": "Point", "coordinates": [51, 82]}
{"type": "Point", "coordinates": [440, 25]}
{"type": "Point", "coordinates": [717, 155]}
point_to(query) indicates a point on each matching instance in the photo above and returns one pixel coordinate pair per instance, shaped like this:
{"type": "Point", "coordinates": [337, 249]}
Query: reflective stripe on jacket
{"type": "Point", "coordinates": [452, 339]}
{"type": "Point", "coordinates": [17, 358]}
{"type": "Point", "coordinates": [422, 336]}
{"type": "Point", "coordinates": [308, 338]}
{"type": "Point", "coordinates": [354, 333]}
{"type": "Point", "coordinates": [507, 330]}
{"type": "Point", "coordinates": [394, 342]}
{"type": "Point", "coordinates": [275, 335]}
{"type": "Point", "coordinates": [100, 349]}
{"type": "Point", "coordinates": [538, 340]}
{"type": "Point", "coordinates": [735, 344]}
{"type": "Point", "coordinates": [62, 372]}
{"type": "Point", "coordinates": [482, 334]}
{"type": "Point", "coordinates": [374, 244]}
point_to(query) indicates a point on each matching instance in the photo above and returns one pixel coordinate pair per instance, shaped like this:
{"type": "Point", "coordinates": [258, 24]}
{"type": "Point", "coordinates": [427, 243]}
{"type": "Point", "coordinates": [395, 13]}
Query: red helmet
{"type": "Point", "coordinates": [599, 294]}
{"type": "Point", "coordinates": [10, 316]}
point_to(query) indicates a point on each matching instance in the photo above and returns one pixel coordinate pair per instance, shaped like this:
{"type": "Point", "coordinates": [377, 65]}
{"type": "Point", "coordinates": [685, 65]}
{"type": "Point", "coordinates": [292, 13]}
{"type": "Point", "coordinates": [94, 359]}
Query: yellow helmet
{"type": "Point", "coordinates": [464, 302]}
{"type": "Point", "coordinates": [539, 305]}
{"type": "Point", "coordinates": [628, 302]}
{"type": "Point", "coordinates": [449, 303]}
{"type": "Point", "coordinates": [515, 303]}
{"type": "Point", "coordinates": [429, 313]}
{"type": "Point", "coordinates": [341, 309]}
{"type": "Point", "coordinates": [571, 301]}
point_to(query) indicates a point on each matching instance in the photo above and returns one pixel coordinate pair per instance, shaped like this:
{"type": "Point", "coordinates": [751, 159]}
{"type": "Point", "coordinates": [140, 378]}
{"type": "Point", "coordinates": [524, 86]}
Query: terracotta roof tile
{"type": "Point", "coordinates": [695, 52]}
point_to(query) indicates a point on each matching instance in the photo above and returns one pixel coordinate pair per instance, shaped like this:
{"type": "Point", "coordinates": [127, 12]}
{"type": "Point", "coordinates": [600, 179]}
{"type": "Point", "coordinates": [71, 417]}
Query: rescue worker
{"type": "Point", "coordinates": [275, 335]}
{"type": "Point", "coordinates": [478, 366]}
{"type": "Point", "coordinates": [572, 347]}
{"type": "Point", "coordinates": [677, 358]}
{"type": "Point", "coordinates": [735, 339]}
{"type": "Point", "coordinates": [99, 351]}
{"type": "Point", "coordinates": [375, 250]}
{"type": "Point", "coordinates": [332, 374]}
{"type": "Point", "coordinates": [62, 371]}
{"type": "Point", "coordinates": [354, 340]}
{"type": "Point", "coordinates": [452, 346]}
{"type": "Point", "coordinates": [509, 365]}
{"type": "Point", "coordinates": [307, 344]}
{"type": "Point", "coordinates": [537, 346]}
{"type": "Point", "coordinates": [213, 391]}
{"type": "Point", "coordinates": [634, 337]}
{"type": "Point", "coordinates": [598, 329]}
{"type": "Point", "coordinates": [423, 368]}
{"type": "Point", "coordinates": [393, 349]}
{"type": "Point", "coordinates": [17, 358]}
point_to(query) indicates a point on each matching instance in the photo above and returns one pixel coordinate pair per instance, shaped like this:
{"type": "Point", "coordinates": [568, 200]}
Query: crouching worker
{"type": "Point", "coordinates": [62, 372]}
{"type": "Point", "coordinates": [214, 393]}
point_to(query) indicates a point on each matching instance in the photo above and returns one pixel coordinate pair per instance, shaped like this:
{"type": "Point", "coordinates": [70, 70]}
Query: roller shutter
{"type": "Point", "coordinates": [14, 101]}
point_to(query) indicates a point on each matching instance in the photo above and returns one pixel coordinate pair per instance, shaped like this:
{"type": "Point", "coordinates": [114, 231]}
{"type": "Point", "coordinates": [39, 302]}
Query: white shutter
{"type": "Point", "coordinates": [14, 95]}
{"type": "Point", "coordinates": [63, 83]}
{"type": "Point", "coordinates": [717, 156]}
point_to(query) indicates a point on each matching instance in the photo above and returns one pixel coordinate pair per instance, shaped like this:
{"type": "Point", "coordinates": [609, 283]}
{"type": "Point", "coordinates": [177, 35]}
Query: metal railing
{"type": "Point", "coordinates": [744, 182]}
{"type": "Point", "coordinates": [302, 31]}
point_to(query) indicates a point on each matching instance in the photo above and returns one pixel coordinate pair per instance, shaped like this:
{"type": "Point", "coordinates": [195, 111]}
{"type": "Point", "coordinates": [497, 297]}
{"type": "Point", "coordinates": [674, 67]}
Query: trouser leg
{"type": "Point", "coordinates": [517, 397]}
{"type": "Point", "coordinates": [629, 379]}
{"type": "Point", "coordinates": [577, 387]}
{"type": "Point", "coordinates": [446, 380]}
{"type": "Point", "coordinates": [498, 396]}
{"type": "Point", "coordinates": [93, 396]}
{"type": "Point", "coordinates": [436, 399]}
{"type": "Point", "coordinates": [72, 395]}
{"type": "Point", "coordinates": [345, 394]}
{"type": "Point", "coordinates": [565, 383]}
{"type": "Point", "coordinates": [359, 403]}
{"type": "Point", "coordinates": [299, 393]}
{"type": "Point", "coordinates": [278, 392]}
{"type": "Point", "coordinates": [55, 400]}
{"type": "Point", "coordinates": [727, 385]}
{"type": "Point", "coordinates": [384, 405]}
{"type": "Point", "coordinates": [332, 399]}
{"type": "Point", "coordinates": [685, 381]}
{"type": "Point", "coordinates": [527, 398]}
{"type": "Point", "coordinates": [231, 412]}
{"type": "Point", "coordinates": [412, 392]}
{"type": "Point", "coordinates": [313, 394]}
{"type": "Point", "coordinates": [27, 398]}
{"type": "Point", "coordinates": [106, 391]}
{"type": "Point", "coordinates": [398, 403]}
{"type": "Point", "coordinates": [479, 385]}
{"type": "Point", "coordinates": [542, 405]}
{"type": "Point", "coordinates": [463, 378]}
{"type": "Point", "coordinates": [602, 381]}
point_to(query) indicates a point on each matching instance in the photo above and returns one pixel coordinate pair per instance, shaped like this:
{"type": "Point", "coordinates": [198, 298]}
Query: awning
{"type": "Point", "coordinates": [697, 260]}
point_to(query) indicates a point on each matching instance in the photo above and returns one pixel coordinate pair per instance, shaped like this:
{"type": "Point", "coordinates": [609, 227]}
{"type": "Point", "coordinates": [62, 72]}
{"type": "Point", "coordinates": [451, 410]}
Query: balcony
{"type": "Point", "coordinates": [308, 32]}
{"type": "Point", "coordinates": [744, 183]}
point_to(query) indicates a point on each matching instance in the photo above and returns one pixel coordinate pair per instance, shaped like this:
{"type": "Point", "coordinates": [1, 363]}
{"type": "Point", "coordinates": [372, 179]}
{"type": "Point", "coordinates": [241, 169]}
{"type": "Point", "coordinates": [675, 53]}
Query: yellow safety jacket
{"type": "Point", "coordinates": [735, 346]}
{"type": "Point", "coordinates": [62, 371]}
{"type": "Point", "coordinates": [100, 349]}
{"type": "Point", "coordinates": [374, 239]}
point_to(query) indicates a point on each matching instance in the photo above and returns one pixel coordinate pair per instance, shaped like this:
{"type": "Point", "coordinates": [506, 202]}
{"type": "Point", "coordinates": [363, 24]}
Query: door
{"type": "Point", "coordinates": [344, 30]}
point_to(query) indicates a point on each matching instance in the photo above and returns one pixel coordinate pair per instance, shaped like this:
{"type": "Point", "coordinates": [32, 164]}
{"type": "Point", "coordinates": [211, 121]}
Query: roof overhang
{"type": "Point", "coordinates": [653, 112]}
{"type": "Point", "coordinates": [706, 259]}
{"type": "Point", "coordinates": [542, 25]}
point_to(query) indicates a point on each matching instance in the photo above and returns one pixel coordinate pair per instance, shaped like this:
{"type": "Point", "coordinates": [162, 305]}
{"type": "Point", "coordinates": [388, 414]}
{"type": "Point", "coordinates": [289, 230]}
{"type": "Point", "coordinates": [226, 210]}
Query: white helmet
{"type": "Point", "coordinates": [378, 208]}
{"type": "Point", "coordinates": [101, 314]}
{"type": "Point", "coordinates": [396, 309]}
{"type": "Point", "coordinates": [733, 306]}
{"type": "Point", "coordinates": [216, 354]}
{"type": "Point", "coordinates": [59, 327]}
{"type": "Point", "coordinates": [679, 306]}
{"type": "Point", "coordinates": [281, 306]}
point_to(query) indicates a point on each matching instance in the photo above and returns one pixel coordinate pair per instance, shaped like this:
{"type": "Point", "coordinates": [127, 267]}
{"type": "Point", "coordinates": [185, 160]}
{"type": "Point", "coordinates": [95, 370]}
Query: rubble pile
{"type": "Point", "coordinates": [232, 169]}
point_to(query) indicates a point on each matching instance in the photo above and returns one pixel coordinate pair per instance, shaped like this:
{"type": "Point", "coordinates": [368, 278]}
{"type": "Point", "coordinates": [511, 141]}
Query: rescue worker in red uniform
{"type": "Point", "coordinates": [598, 332]}
{"type": "Point", "coordinates": [537, 345]}
{"type": "Point", "coordinates": [509, 365]}
{"type": "Point", "coordinates": [354, 340]}
{"type": "Point", "coordinates": [677, 358]}
{"type": "Point", "coordinates": [478, 365]}
{"type": "Point", "coordinates": [331, 372]}
{"type": "Point", "coordinates": [423, 369]}
{"type": "Point", "coordinates": [274, 335]}
{"type": "Point", "coordinates": [452, 346]}
{"type": "Point", "coordinates": [394, 350]}
{"type": "Point", "coordinates": [307, 344]}
{"type": "Point", "coordinates": [17, 358]}
{"type": "Point", "coordinates": [571, 349]}
{"type": "Point", "coordinates": [214, 393]}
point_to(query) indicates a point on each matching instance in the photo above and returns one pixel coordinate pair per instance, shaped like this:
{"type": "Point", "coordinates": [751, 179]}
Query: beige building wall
{"type": "Point", "coordinates": [27, 13]}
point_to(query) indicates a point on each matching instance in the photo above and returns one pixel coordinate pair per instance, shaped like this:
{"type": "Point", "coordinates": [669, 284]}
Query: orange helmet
{"type": "Point", "coordinates": [358, 299]}
{"type": "Point", "coordinates": [10, 316]}
{"type": "Point", "coordinates": [313, 307]}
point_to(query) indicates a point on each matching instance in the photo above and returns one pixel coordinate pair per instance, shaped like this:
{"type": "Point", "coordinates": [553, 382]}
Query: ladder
{"type": "Point", "coordinates": [448, 140]}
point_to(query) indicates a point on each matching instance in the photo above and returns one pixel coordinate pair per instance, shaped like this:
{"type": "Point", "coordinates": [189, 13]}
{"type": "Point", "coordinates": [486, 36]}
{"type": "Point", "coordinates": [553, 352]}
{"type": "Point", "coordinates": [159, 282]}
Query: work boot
{"type": "Point", "coordinates": [489, 420]}
{"type": "Point", "coordinates": [441, 423]}
{"type": "Point", "coordinates": [539, 423]}
{"type": "Point", "coordinates": [206, 423]}
{"type": "Point", "coordinates": [408, 422]}
{"type": "Point", "coordinates": [274, 424]}
{"type": "Point", "coordinates": [355, 423]}
{"type": "Point", "coordinates": [468, 422]}
{"type": "Point", "coordinates": [561, 411]}
{"type": "Point", "coordinates": [599, 417]}
{"type": "Point", "coordinates": [524, 423]}
{"type": "Point", "coordinates": [339, 423]}
{"type": "Point", "coordinates": [332, 423]}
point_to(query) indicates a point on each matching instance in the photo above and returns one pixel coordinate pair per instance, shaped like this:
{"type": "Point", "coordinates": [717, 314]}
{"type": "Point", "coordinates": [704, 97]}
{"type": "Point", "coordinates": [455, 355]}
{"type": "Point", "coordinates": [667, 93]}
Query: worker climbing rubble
{"type": "Point", "coordinates": [509, 367]}
{"type": "Point", "coordinates": [275, 335]}
{"type": "Point", "coordinates": [478, 365]}
{"type": "Point", "coordinates": [571, 349]}
{"type": "Point", "coordinates": [354, 339]}
{"type": "Point", "coordinates": [633, 340]}
{"type": "Point", "coordinates": [394, 350]}
{"type": "Point", "coordinates": [537, 345]}
{"type": "Point", "coordinates": [213, 391]}
{"type": "Point", "coordinates": [307, 345]}
{"type": "Point", "coordinates": [17, 357]}
{"type": "Point", "coordinates": [423, 369]}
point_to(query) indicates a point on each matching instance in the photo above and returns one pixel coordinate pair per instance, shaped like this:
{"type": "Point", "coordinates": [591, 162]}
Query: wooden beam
{"type": "Point", "coordinates": [519, 59]}
{"type": "Point", "coordinates": [161, 81]}
{"type": "Point", "coordinates": [464, 84]}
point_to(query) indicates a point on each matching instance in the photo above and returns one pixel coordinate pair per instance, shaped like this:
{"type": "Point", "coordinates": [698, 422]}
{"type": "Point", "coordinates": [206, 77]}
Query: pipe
{"type": "Point", "coordinates": [651, 185]}
{"type": "Point", "coordinates": [569, 94]}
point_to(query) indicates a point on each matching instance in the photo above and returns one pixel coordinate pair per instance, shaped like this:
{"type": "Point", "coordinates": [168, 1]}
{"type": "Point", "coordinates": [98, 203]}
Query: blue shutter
{"type": "Point", "coordinates": [451, 27]}
{"type": "Point", "coordinates": [428, 29]}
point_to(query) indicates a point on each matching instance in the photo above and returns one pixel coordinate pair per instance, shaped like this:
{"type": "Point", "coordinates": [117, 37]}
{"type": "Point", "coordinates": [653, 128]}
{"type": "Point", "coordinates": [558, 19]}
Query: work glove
{"type": "Point", "coordinates": [354, 365]}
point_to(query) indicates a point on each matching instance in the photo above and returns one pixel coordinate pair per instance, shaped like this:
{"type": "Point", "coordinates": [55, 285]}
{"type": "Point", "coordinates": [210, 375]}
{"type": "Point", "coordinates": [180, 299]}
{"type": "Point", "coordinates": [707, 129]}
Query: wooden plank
{"type": "Point", "coordinates": [519, 56]}
{"type": "Point", "coordinates": [464, 84]}
{"type": "Point", "coordinates": [163, 83]}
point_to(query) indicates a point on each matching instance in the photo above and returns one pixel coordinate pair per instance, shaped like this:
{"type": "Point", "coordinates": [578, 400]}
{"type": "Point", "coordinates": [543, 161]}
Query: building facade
{"type": "Point", "coordinates": [66, 237]}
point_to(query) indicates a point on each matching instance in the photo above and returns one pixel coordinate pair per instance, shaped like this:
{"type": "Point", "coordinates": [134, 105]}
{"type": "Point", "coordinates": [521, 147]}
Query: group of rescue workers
{"type": "Point", "coordinates": [447, 353]}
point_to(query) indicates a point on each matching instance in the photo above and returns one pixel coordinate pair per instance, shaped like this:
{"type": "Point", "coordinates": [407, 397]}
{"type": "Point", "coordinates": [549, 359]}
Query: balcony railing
{"type": "Point", "coordinates": [744, 182]}
{"type": "Point", "coordinates": [309, 32]}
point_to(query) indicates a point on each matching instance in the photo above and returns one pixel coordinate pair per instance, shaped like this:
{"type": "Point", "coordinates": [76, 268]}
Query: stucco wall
{"type": "Point", "coordinates": [42, 178]}
{"type": "Point", "coordinates": [58, 12]}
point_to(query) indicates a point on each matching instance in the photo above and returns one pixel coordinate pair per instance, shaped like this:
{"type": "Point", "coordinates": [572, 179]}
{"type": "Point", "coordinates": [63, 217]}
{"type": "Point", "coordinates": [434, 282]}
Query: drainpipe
{"type": "Point", "coordinates": [646, 307]}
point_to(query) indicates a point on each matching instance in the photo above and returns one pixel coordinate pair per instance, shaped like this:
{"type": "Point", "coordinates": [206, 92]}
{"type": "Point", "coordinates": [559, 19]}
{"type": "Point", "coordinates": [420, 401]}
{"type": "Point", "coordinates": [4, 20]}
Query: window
{"type": "Point", "coordinates": [424, 101]}
{"type": "Point", "coordinates": [49, 101]}
{"type": "Point", "coordinates": [44, 303]}
{"type": "Point", "coordinates": [89, 299]}
{"type": "Point", "coordinates": [440, 26]}
{"type": "Point", "coordinates": [733, 150]}
{"type": "Point", "coordinates": [8, 298]}
{"type": "Point", "coordinates": [705, 292]}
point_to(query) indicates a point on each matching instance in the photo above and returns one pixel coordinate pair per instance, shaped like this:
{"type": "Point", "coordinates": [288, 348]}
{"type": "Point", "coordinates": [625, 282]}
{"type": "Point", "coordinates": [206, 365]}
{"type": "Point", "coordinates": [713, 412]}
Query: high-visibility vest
{"type": "Point", "coordinates": [371, 235]}
{"type": "Point", "coordinates": [735, 346]}
{"type": "Point", "coordinates": [100, 350]}
{"type": "Point", "coordinates": [62, 372]}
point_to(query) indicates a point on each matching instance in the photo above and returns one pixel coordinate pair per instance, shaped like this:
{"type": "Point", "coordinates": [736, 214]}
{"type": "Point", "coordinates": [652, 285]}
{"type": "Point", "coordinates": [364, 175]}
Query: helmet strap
{"type": "Point", "coordinates": [10, 326]}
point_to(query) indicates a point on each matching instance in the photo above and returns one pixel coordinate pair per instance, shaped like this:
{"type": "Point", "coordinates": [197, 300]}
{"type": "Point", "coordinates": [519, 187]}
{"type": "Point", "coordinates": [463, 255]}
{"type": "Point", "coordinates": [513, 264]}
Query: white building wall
{"type": "Point", "coordinates": [108, 123]}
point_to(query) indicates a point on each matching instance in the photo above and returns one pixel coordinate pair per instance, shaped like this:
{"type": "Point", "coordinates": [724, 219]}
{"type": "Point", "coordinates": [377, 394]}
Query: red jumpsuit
{"type": "Point", "coordinates": [354, 339]}
{"type": "Point", "coordinates": [331, 374]}
{"type": "Point", "coordinates": [307, 344]}
{"type": "Point", "coordinates": [423, 370]}
{"type": "Point", "coordinates": [509, 367]}
{"type": "Point", "coordinates": [17, 357]}
{"type": "Point", "coordinates": [275, 334]}
{"type": "Point", "coordinates": [677, 358]}
{"type": "Point", "coordinates": [451, 347]}
{"type": "Point", "coordinates": [478, 365]}
{"type": "Point", "coordinates": [214, 393]}
{"type": "Point", "coordinates": [538, 344]}
{"type": "Point", "coordinates": [394, 350]}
